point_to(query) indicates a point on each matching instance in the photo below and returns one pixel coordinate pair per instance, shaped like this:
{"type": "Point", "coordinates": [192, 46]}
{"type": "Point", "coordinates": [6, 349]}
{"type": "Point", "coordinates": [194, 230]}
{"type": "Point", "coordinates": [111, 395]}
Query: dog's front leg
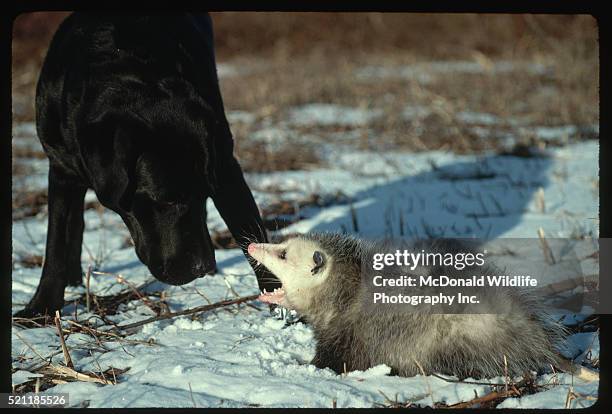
{"type": "Point", "coordinates": [237, 207]}
{"type": "Point", "coordinates": [62, 264]}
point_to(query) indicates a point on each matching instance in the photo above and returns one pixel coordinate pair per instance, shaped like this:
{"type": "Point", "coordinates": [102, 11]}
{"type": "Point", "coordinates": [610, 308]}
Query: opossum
{"type": "Point", "coordinates": [322, 279]}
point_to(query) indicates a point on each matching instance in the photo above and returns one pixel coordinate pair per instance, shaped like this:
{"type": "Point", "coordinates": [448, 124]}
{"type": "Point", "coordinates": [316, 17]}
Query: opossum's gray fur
{"type": "Point", "coordinates": [350, 337]}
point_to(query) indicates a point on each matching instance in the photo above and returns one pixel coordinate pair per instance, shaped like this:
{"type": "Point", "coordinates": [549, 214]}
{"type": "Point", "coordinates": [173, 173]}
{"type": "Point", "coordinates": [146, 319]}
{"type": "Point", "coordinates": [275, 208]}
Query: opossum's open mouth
{"type": "Point", "coordinates": [277, 296]}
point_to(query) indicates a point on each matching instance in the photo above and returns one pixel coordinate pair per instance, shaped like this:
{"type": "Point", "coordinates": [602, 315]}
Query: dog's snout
{"type": "Point", "coordinates": [183, 269]}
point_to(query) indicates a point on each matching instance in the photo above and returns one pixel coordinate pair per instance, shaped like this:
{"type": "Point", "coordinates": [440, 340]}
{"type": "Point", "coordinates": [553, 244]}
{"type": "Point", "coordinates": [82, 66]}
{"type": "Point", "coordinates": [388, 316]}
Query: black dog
{"type": "Point", "coordinates": [130, 106]}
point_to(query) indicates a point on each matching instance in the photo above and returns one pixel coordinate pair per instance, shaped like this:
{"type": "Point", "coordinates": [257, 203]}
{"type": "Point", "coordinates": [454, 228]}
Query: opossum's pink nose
{"type": "Point", "coordinates": [252, 247]}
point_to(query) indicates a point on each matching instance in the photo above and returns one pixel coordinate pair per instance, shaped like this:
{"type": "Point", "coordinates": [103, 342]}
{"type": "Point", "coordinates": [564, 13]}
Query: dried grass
{"type": "Point", "coordinates": [311, 57]}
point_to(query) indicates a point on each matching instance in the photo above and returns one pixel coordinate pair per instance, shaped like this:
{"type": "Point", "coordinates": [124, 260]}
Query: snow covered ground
{"type": "Point", "coordinates": [240, 356]}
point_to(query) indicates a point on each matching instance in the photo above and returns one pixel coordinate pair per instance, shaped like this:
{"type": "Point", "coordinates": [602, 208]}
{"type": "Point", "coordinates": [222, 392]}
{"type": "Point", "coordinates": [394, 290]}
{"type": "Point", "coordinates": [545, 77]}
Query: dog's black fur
{"type": "Point", "coordinates": [130, 106]}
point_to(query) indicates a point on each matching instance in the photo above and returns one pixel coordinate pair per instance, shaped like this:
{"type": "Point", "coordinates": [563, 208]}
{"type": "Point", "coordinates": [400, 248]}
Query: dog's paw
{"type": "Point", "coordinates": [26, 313]}
{"type": "Point", "coordinates": [39, 309]}
{"type": "Point", "coordinates": [31, 318]}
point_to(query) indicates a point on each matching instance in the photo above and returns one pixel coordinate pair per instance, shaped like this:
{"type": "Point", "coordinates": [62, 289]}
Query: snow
{"type": "Point", "coordinates": [412, 112]}
{"type": "Point", "coordinates": [240, 356]}
{"type": "Point", "coordinates": [388, 184]}
{"type": "Point", "coordinates": [240, 117]}
{"type": "Point", "coordinates": [226, 70]}
{"type": "Point", "coordinates": [555, 397]}
{"type": "Point", "coordinates": [274, 137]}
{"type": "Point", "coordinates": [469, 117]}
{"type": "Point", "coordinates": [329, 114]}
{"type": "Point", "coordinates": [425, 72]}
{"type": "Point", "coordinates": [21, 376]}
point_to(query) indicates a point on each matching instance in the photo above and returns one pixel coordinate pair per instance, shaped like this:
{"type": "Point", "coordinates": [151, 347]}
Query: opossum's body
{"type": "Point", "coordinates": [322, 279]}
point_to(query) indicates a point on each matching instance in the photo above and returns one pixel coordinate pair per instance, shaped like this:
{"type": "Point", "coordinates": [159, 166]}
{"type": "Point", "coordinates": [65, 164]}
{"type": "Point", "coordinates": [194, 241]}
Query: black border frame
{"type": "Point", "coordinates": [15, 7]}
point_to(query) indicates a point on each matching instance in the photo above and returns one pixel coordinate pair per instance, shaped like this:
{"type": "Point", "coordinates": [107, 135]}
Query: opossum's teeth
{"type": "Point", "coordinates": [277, 296]}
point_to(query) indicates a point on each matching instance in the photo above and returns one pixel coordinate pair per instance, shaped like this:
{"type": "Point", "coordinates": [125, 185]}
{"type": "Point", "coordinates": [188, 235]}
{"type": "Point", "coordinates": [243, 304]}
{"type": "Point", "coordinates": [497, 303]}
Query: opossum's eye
{"type": "Point", "coordinates": [283, 254]}
{"type": "Point", "coordinates": [319, 261]}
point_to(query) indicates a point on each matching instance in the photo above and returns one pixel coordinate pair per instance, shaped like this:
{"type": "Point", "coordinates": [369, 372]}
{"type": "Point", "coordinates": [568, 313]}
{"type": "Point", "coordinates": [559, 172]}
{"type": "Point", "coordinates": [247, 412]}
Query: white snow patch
{"type": "Point", "coordinates": [412, 112]}
{"type": "Point", "coordinates": [330, 114]}
{"type": "Point", "coordinates": [478, 118]}
{"type": "Point", "coordinates": [555, 397]}
{"type": "Point", "coordinates": [425, 72]}
{"type": "Point", "coordinates": [226, 70]}
{"type": "Point", "coordinates": [240, 117]}
{"type": "Point", "coordinates": [240, 356]}
{"type": "Point", "coordinates": [21, 376]}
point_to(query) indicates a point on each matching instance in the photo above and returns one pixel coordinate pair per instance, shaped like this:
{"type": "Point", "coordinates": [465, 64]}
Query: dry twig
{"type": "Point", "coordinates": [490, 397]}
{"type": "Point", "coordinates": [550, 259]}
{"type": "Point", "coordinates": [58, 324]}
{"type": "Point", "coordinates": [67, 372]}
{"type": "Point", "coordinates": [191, 311]}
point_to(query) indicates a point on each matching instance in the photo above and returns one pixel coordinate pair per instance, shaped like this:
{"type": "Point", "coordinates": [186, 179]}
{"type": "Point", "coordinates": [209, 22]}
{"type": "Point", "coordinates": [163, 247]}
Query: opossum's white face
{"type": "Point", "coordinates": [300, 265]}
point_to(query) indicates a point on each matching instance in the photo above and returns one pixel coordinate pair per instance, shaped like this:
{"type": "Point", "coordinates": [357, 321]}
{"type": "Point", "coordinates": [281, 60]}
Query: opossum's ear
{"type": "Point", "coordinates": [319, 261]}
